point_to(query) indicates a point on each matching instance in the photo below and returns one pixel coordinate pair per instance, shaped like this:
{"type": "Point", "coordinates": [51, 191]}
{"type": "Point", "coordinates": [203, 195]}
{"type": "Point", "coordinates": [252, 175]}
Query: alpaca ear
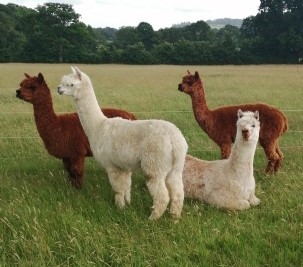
{"type": "Point", "coordinates": [256, 114]}
{"type": "Point", "coordinates": [26, 75]}
{"type": "Point", "coordinates": [41, 78]}
{"type": "Point", "coordinates": [197, 76]}
{"type": "Point", "coordinates": [77, 72]}
{"type": "Point", "coordinates": [188, 72]}
{"type": "Point", "coordinates": [240, 113]}
{"type": "Point", "coordinates": [73, 70]}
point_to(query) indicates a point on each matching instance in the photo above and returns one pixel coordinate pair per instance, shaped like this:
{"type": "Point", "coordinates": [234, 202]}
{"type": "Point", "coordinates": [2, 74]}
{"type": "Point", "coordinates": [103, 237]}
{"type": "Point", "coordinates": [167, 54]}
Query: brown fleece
{"type": "Point", "coordinates": [62, 135]}
{"type": "Point", "coordinates": [220, 124]}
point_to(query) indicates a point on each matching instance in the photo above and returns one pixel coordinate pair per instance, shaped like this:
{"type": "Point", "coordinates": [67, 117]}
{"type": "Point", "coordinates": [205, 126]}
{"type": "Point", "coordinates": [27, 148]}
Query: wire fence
{"type": "Point", "coordinates": [294, 142]}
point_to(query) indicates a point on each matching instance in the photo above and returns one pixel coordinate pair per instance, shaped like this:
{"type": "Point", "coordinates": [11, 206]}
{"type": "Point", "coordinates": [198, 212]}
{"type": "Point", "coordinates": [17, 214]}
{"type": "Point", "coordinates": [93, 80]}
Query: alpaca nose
{"type": "Point", "coordinates": [180, 87]}
{"type": "Point", "coordinates": [245, 133]}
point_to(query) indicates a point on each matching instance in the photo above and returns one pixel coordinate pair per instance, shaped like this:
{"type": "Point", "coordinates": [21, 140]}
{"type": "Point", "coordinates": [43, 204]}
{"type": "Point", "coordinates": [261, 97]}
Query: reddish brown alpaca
{"type": "Point", "coordinates": [220, 124]}
{"type": "Point", "coordinates": [62, 135]}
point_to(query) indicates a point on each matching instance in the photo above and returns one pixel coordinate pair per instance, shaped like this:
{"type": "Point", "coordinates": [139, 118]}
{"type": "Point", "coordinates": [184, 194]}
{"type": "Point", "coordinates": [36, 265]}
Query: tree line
{"type": "Point", "coordinates": [53, 33]}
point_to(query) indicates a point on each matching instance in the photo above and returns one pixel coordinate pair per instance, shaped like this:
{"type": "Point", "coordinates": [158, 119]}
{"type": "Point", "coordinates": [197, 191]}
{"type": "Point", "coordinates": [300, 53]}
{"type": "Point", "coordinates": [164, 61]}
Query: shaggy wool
{"type": "Point", "coordinates": [62, 135]}
{"type": "Point", "coordinates": [227, 183]}
{"type": "Point", "coordinates": [220, 124]}
{"type": "Point", "coordinates": [120, 146]}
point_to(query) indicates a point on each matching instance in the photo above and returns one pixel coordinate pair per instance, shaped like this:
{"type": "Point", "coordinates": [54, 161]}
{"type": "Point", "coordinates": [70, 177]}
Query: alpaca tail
{"type": "Point", "coordinates": [179, 150]}
{"type": "Point", "coordinates": [286, 126]}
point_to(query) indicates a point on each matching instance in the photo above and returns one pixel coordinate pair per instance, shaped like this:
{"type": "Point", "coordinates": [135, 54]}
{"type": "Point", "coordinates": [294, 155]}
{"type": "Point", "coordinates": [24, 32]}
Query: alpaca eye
{"type": "Point", "coordinates": [253, 126]}
{"type": "Point", "coordinates": [72, 84]}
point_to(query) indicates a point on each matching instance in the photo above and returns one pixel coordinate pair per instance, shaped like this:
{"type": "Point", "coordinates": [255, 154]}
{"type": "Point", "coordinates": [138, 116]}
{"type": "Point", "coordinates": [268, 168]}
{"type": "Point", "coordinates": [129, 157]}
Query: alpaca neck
{"type": "Point", "coordinates": [88, 110]}
{"type": "Point", "coordinates": [242, 157]}
{"type": "Point", "coordinates": [45, 116]}
{"type": "Point", "coordinates": [201, 111]}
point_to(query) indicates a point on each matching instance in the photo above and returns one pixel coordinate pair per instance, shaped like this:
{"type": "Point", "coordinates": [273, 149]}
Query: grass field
{"type": "Point", "coordinates": [45, 222]}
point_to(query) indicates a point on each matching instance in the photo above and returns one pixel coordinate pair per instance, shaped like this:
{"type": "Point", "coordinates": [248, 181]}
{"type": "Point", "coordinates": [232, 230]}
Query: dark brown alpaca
{"type": "Point", "coordinates": [62, 135]}
{"type": "Point", "coordinates": [220, 123]}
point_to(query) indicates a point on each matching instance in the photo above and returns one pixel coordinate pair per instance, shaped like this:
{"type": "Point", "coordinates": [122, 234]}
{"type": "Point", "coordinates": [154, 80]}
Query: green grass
{"type": "Point", "coordinates": [45, 222]}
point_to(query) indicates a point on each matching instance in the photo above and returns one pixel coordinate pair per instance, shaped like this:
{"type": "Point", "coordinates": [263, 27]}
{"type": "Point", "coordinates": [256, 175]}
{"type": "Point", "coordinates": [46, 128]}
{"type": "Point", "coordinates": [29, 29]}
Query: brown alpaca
{"type": "Point", "coordinates": [220, 123]}
{"type": "Point", "coordinates": [62, 135]}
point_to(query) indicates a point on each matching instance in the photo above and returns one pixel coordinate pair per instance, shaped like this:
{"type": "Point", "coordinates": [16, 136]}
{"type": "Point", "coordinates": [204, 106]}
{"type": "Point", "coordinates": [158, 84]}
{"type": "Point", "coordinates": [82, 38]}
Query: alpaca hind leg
{"type": "Point", "coordinates": [278, 163]}
{"type": "Point", "coordinates": [157, 189]}
{"type": "Point", "coordinates": [121, 184]}
{"type": "Point", "coordinates": [128, 181]}
{"type": "Point", "coordinates": [174, 185]}
{"type": "Point", "coordinates": [271, 154]}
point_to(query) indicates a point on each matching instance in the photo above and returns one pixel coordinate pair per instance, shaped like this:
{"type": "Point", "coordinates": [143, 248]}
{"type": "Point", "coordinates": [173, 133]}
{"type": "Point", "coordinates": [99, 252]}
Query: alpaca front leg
{"type": "Point", "coordinates": [159, 193]}
{"type": "Point", "coordinates": [76, 173]}
{"type": "Point", "coordinates": [74, 167]}
{"type": "Point", "coordinates": [223, 199]}
{"type": "Point", "coordinates": [121, 184]}
{"type": "Point", "coordinates": [271, 154]}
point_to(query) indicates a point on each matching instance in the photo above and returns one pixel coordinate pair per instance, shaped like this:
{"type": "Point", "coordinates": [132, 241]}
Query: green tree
{"type": "Point", "coordinates": [199, 31]}
{"type": "Point", "coordinates": [125, 37]}
{"type": "Point", "coordinates": [56, 35]}
{"type": "Point", "coordinates": [146, 35]}
{"type": "Point", "coordinates": [170, 35]}
{"type": "Point", "coordinates": [12, 39]}
{"type": "Point", "coordinates": [136, 54]}
{"type": "Point", "coordinates": [56, 21]}
{"type": "Point", "coordinates": [277, 30]}
{"type": "Point", "coordinates": [164, 53]}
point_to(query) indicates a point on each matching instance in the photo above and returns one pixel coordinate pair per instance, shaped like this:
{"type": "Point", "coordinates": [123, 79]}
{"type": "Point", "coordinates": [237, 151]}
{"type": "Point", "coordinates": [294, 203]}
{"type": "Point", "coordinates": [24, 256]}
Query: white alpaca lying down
{"type": "Point", "coordinates": [120, 146]}
{"type": "Point", "coordinates": [227, 183]}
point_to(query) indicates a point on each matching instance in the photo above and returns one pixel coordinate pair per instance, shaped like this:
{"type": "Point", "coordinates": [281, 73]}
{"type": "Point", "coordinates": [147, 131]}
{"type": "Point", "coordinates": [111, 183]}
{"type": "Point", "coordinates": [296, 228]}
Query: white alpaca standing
{"type": "Point", "coordinates": [120, 146]}
{"type": "Point", "coordinates": [227, 183]}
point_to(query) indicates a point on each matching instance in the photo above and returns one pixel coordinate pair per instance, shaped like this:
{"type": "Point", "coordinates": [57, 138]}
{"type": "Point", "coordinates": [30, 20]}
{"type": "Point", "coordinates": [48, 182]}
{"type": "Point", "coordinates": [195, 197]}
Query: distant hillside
{"type": "Point", "coordinates": [220, 23]}
{"type": "Point", "coordinates": [215, 24]}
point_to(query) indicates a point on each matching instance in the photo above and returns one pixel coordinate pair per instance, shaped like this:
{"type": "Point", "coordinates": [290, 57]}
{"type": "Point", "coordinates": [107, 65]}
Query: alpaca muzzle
{"type": "Point", "coordinates": [180, 88]}
{"type": "Point", "coordinates": [245, 134]}
{"type": "Point", "coordinates": [18, 93]}
{"type": "Point", "coordinates": [60, 91]}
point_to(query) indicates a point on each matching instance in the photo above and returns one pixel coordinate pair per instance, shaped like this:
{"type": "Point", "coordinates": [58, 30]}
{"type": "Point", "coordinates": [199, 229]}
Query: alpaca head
{"type": "Point", "coordinates": [248, 126]}
{"type": "Point", "coordinates": [189, 83]}
{"type": "Point", "coordinates": [75, 84]}
{"type": "Point", "coordinates": [32, 88]}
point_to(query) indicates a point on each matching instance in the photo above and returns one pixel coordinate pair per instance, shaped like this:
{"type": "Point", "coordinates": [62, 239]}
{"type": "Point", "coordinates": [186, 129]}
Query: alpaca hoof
{"type": "Point", "coordinates": [175, 212]}
{"type": "Point", "coordinates": [154, 216]}
{"type": "Point", "coordinates": [78, 184]}
{"type": "Point", "coordinates": [270, 168]}
{"type": "Point", "coordinates": [119, 201]}
{"type": "Point", "coordinates": [127, 198]}
{"type": "Point", "coordinates": [243, 205]}
{"type": "Point", "coordinates": [254, 201]}
{"type": "Point", "coordinates": [175, 216]}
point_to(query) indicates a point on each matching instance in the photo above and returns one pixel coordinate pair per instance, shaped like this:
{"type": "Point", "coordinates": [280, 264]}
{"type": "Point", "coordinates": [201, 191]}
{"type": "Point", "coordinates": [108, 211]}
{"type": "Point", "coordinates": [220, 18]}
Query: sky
{"type": "Point", "coordinates": [158, 13]}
